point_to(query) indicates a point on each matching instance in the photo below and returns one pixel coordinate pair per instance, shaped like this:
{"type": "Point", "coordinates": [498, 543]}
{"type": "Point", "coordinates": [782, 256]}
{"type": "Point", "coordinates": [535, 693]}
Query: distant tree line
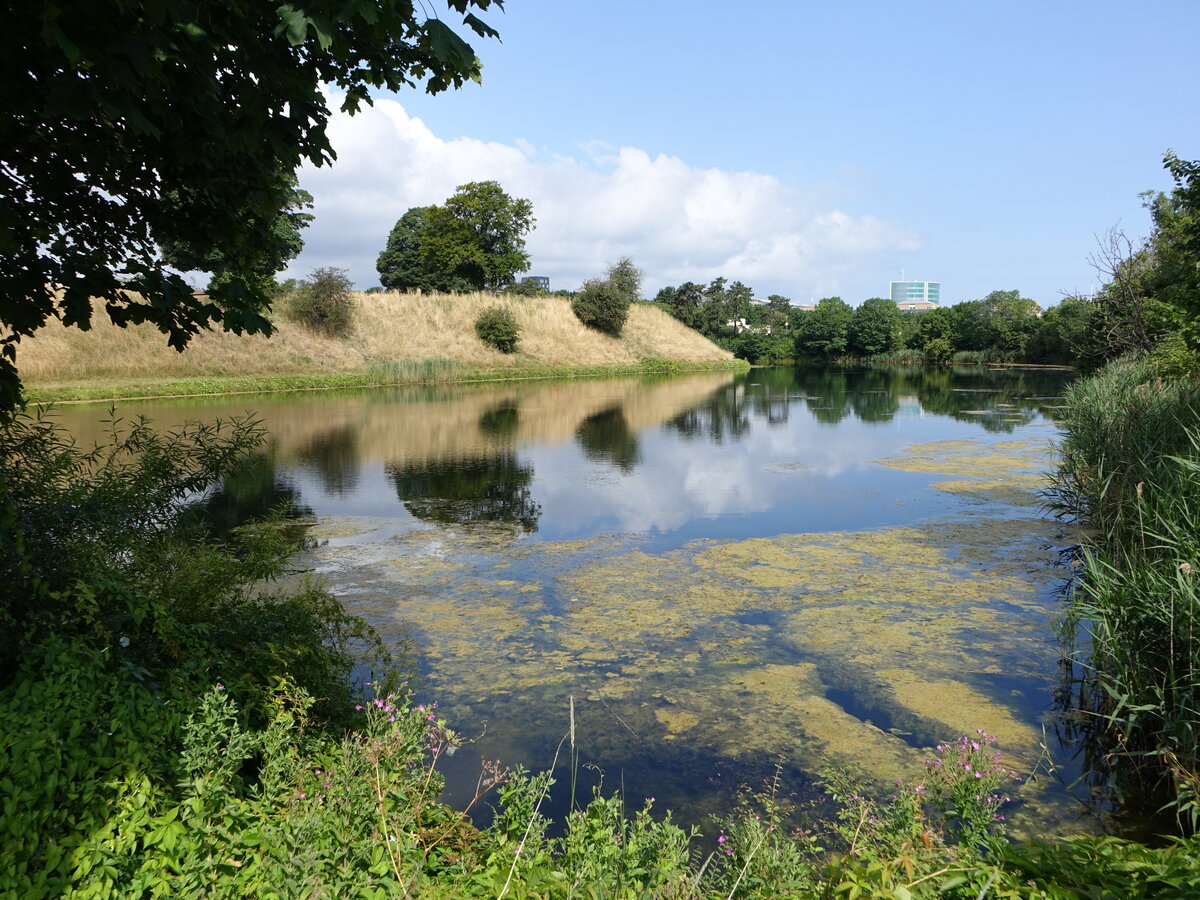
{"type": "Point", "coordinates": [727, 314]}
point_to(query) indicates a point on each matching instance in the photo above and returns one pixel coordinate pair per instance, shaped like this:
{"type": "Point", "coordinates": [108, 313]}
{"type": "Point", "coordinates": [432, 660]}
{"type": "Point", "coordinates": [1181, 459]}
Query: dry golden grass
{"type": "Point", "coordinates": [388, 328]}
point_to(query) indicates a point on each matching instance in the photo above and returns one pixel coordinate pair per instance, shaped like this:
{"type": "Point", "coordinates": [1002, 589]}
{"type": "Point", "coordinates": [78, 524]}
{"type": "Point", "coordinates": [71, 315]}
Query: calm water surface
{"type": "Point", "coordinates": [726, 573]}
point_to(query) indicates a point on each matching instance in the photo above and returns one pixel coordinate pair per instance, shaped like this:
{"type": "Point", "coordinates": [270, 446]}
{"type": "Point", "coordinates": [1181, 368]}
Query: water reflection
{"type": "Point", "coordinates": [334, 456]}
{"type": "Point", "coordinates": [468, 490]}
{"type": "Point", "coordinates": [717, 568]}
{"type": "Point", "coordinates": [724, 416]}
{"type": "Point", "coordinates": [254, 488]}
{"type": "Point", "coordinates": [606, 436]}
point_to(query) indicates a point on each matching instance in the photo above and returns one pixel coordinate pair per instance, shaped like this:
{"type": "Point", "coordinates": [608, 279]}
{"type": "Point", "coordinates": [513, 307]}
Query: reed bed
{"type": "Point", "coordinates": [401, 338]}
{"type": "Point", "coordinates": [1130, 472]}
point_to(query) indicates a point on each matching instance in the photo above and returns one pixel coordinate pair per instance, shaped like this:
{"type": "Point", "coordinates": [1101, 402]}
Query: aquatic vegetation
{"type": "Point", "coordinates": [855, 647]}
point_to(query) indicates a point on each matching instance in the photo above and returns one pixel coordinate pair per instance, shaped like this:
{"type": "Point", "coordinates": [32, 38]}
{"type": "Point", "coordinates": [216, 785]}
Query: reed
{"type": "Point", "coordinates": [1130, 472]}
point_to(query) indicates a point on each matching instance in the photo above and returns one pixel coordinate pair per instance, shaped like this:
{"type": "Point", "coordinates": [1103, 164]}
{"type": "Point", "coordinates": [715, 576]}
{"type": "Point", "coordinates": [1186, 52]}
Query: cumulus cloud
{"type": "Point", "coordinates": [677, 221]}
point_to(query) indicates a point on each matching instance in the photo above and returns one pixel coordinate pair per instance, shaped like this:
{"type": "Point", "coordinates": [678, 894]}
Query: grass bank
{"type": "Point", "coordinates": [394, 339]}
{"type": "Point", "coordinates": [1130, 472]}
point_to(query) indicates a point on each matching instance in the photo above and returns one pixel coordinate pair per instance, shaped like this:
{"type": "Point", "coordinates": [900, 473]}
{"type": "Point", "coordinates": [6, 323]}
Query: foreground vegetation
{"type": "Point", "coordinates": [386, 339]}
{"type": "Point", "coordinates": [1131, 473]}
{"type": "Point", "coordinates": [176, 722]}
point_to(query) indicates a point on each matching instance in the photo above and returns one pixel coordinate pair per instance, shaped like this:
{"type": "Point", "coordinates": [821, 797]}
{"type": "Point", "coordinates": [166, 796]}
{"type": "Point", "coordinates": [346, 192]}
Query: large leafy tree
{"type": "Point", "coordinates": [874, 327]}
{"type": "Point", "coordinates": [478, 236]}
{"type": "Point", "coordinates": [127, 125]}
{"type": "Point", "coordinates": [402, 266]}
{"type": "Point", "coordinates": [824, 331]}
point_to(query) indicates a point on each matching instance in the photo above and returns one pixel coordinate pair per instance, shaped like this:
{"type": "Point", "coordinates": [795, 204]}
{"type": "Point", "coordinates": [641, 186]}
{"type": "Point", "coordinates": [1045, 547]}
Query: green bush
{"type": "Point", "coordinates": [497, 327]}
{"type": "Point", "coordinates": [323, 303]}
{"type": "Point", "coordinates": [602, 305]}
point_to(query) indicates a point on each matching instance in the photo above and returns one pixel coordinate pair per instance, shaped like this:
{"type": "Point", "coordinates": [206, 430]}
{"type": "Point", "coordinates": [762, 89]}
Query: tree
{"type": "Point", "coordinates": [778, 309]}
{"type": "Point", "coordinates": [824, 331]}
{"type": "Point", "coordinates": [1014, 318]}
{"type": "Point", "coordinates": [627, 278]}
{"type": "Point", "coordinates": [478, 236]}
{"type": "Point", "coordinates": [126, 127]}
{"type": "Point", "coordinates": [282, 243]}
{"type": "Point", "coordinates": [874, 327]}
{"type": "Point", "coordinates": [935, 335]}
{"type": "Point", "coordinates": [401, 265]}
{"type": "Point", "coordinates": [1066, 333]}
{"type": "Point", "coordinates": [1177, 244]}
{"type": "Point", "coordinates": [686, 301]}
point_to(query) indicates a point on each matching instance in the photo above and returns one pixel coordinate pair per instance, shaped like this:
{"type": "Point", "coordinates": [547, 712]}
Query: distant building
{"type": "Point", "coordinates": [911, 295]}
{"type": "Point", "coordinates": [541, 281]}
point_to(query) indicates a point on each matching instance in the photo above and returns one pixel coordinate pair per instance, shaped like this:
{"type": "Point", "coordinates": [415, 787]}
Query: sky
{"type": "Point", "coordinates": [805, 149]}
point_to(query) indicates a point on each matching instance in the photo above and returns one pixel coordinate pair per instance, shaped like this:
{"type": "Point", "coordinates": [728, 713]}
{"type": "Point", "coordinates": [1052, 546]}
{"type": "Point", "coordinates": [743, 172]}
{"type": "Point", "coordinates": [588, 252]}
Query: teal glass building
{"type": "Point", "coordinates": [910, 292]}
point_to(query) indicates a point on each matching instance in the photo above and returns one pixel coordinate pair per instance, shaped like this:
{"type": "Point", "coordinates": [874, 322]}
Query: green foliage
{"type": "Point", "coordinates": [102, 159]}
{"type": "Point", "coordinates": [778, 310]}
{"type": "Point", "coordinates": [477, 237]}
{"type": "Point", "coordinates": [602, 305]}
{"type": "Point", "coordinates": [497, 327]}
{"type": "Point", "coordinates": [324, 303]}
{"type": "Point", "coordinates": [282, 243]}
{"type": "Point", "coordinates": [757, 347]}
{"type": "Point", "coordinates": [1001, 322]}
{"type": "Point", "coordinates": [119, 613]}
{"type": "Point", "coordinates": [874, 328]}
{"type": "Point", "coordinates": [606, 853]}
{"type": "Point", "coordinates": [627, 278]}
{"type": "Point", "coordinates": [1175, 245]}
{"type": "Point", "coordinates": [1065, 334]}
{"type": "Point", "coordinates": [528, 288]}
{"type": "Point", "coordinates": [1130, 472]}
{"type": "Point", "coordinates": [402, 265]}
{"type": "Point", "coordinates": [938, 351]}
{"type": "Point", "coordinates": [824, 331]}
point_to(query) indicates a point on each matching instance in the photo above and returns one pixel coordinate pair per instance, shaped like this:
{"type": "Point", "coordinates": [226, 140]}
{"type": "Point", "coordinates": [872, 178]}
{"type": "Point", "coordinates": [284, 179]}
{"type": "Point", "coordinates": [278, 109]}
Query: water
{"type": "Point", "coordinates": [727, 575]}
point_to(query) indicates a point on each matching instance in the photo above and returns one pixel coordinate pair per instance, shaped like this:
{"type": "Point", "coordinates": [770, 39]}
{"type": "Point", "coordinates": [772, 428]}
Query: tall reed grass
{"type": "Point", "coordinates": [1130, 472]}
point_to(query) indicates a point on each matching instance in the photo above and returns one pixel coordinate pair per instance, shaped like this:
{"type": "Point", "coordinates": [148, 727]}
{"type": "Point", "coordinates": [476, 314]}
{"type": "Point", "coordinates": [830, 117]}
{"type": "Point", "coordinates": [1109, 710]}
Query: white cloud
{"type": "Point", "coordinates": [676, 221]}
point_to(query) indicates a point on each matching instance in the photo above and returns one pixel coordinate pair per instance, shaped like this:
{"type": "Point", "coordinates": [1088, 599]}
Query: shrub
{"type": "Point", "coordinates": [602, 305]}
{"type": "Point", "coordinates": [497, 327]}
{"type": "Point", "coordinates": [324, 303]}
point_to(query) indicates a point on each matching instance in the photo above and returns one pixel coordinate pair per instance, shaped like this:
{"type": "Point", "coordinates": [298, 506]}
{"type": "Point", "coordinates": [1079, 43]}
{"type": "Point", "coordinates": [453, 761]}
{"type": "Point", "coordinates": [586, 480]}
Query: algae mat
{"type": "Point", "coordinates": [857, 648]}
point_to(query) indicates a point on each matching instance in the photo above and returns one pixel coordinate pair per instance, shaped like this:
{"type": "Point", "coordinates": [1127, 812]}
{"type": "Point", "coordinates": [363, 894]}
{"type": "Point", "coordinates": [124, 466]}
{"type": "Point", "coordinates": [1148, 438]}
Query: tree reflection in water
{"type": "Point", "coordinates": [606, 437]}
{"type": "Point", "coordinates": [492, 488]}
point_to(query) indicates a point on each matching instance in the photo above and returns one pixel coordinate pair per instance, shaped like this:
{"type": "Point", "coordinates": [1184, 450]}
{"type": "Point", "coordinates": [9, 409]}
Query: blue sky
{"type": "Point", "coordinates": [806, 149]}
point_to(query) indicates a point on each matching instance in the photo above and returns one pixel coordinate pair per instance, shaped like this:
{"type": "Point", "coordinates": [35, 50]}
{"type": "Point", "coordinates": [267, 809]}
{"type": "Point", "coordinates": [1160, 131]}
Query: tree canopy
{"type": "Point", "coordinates": [126, 127]}
{"type": "Point", "coordinates": [874, 327]}
{"type": "Point", "coordinates": [824, 331]}
{"type": "Point", "coordinates": [478, 236]}
{"type": "Point", "coordinates": [474, 241]}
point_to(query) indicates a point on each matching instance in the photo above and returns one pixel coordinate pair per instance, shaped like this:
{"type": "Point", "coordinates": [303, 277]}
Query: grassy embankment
{"type": "Point", "coordinates": [1131, 473]}
{"type": "Point", "coordinates": [396, 339]}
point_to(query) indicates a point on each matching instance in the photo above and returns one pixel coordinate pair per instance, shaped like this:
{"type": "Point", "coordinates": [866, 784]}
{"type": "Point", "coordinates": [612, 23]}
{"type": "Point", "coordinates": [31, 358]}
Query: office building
{"type": "Point", "coordinates": [911, 295]}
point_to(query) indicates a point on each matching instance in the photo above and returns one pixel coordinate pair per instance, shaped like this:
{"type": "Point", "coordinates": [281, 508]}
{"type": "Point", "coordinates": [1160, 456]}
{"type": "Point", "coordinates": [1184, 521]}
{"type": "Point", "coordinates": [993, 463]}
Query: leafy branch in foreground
{"type": "Point", "coordinates": [100, 164]}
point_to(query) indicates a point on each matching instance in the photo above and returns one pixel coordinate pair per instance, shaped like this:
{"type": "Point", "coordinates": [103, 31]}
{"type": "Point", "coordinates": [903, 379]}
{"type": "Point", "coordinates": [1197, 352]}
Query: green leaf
{"type": "Point", "coordinates": [294, 23]}
{"type": "Point", "coordinates": [449, 48]}
{"type": "Point", "coordinates": [481, 28]}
